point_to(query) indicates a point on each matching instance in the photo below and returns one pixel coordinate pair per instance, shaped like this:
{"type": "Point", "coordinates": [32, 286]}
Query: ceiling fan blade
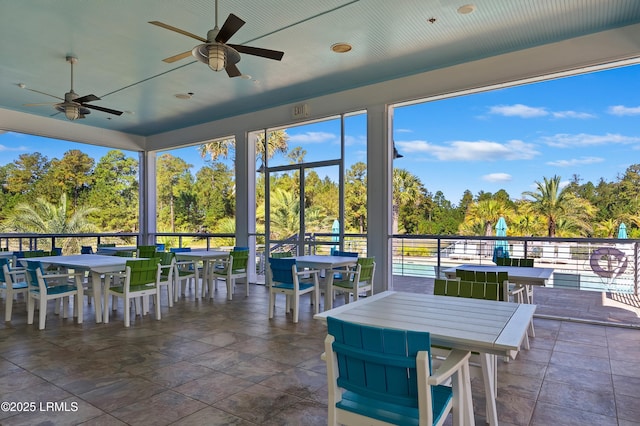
{"type": "Point", "coordinates": [40, 104]}
{"type": "Point", "coordinates": [87, 98]}
{"type": "Point", "coordinates": [177, 30]}
{"type": "Point", "coordinates": [43, 93]}
{"type": "Point", "coordinates": [177, 57]}
{"type": "Point", "coordinates": [257, 51]}
{"type": "Point", "coordinates": [103, 109]}
{"type": "Point", "coordinates": [232, 70]}
{"type": "Point", "coordinates": [229, 28]}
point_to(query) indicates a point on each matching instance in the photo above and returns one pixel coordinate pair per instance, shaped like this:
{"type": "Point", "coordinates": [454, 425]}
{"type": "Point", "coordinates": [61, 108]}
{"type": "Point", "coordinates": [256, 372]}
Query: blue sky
{"type": "Point", "coordinates": [505, 139]}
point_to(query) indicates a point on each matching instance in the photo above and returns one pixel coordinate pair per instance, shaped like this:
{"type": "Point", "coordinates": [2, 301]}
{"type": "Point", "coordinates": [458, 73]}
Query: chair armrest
{"type": "Point", "coordinates": [308, 272]}
{"type": "Point", "coordinates": [456, 359]}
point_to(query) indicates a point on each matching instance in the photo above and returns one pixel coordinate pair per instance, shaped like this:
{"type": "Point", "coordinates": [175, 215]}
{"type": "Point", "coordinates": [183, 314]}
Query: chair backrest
{"type": "Point", "coordinates": [86, 250]}
{"type": "Point", "coordinates": [367, 268]}
{"type": "Point", "coordinates": [378, 363]}
{"type": "Point", "coordinates": [345, 253]}
{"type": "Point", "coordinates": [106, 245]}
{"type": "Point", "coordinates": [5, 268]}
{"type": "Point", "coordinates": [34, 253]}
{"type": "Point", "coordinates": [146, 251]}
{"type": "Point", "coordinates": [465, 275]}
{"type": "Point", "coordinates": [56, 251]}
{"type": "Point", "coordinates": [282, 269]}
{"type": "Point", "coordinates": [166, 257]}
{"type": "Point", "coordinates": [143, 271]}
{"type": "Point", "coordinates": [240, 248]}
{"type": "Point", "coordinates": [160, 247]}
{"type": "Point", "coordinates": [33, 266]}
{"type": "Point", "coordinates": [240, 260]}
{"type": "Point", "coordinates": [179, 249]}
{"type": "Point", "coordinates": [123, 253]}
{"type": "Point", "coordinates": [503, 261]}
{"type": "Point", "coordinates": [281, 254]}
{"type": "Point", "coordinates": [527, 263]}
{"type": "Point", "coordinates": [468, 289]}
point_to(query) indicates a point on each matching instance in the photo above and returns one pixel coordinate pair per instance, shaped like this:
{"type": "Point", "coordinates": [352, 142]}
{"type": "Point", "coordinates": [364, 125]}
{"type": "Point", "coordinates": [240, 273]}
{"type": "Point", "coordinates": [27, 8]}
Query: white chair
{"type": "Point", "coordinates": [141, 278]}
{"type": "Point", "coordinates": [45, 287]}
{"type": "Point", "coordinates": [229, 269]}
{"type": "Point", "coordinates": [354, 280]}
{"type": "Point", "coordinates": [379, 376]}
{"type": "Point", "coordinates": [284, 278]}
{"type": "Point", "coordinates": [12, 283]}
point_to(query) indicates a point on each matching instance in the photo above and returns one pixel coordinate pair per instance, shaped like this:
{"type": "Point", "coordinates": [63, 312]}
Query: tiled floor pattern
{"type": "Point", "coordinates": [222, 362]}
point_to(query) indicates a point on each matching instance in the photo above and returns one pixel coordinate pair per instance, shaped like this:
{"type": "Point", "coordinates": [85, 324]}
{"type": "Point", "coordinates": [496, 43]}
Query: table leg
{"type": "Point", "coordinates": [96, 285]}
{"type": "Point", "coordinates": [328, 296]}
{"type": "Point", "coordinates": [489, 372]}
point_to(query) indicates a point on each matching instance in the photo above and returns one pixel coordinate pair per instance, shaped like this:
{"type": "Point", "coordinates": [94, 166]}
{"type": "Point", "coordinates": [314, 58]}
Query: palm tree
{"type": "Point", "coordinates": [556, 203]}
{"type": "Point", "coordinates": [485, 213]}
{"type": "Point", "coordinates": [43, 217]}
{"type": "Point", "coordinates": [406, 189]}
{"type": "Point", "coordinates": [277, 141]}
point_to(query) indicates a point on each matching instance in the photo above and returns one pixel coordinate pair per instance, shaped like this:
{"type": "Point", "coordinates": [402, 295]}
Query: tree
{"type": "Point", "coordinates": [484, 214]}
{"type": "Point", "coordinates": [406, 189]}
{"type": "Point", "coordinates": [555, 203]}
{"type": "Point", "coordinates": [225, 148]}
{"type": "Point", "coordinates": [115, 193]}
{"type": "Point", "coordinates": [215, 194]}
{"type": "Point", "coordinates": [27, 173]}
{"type": "Point", "coordinates": [173, 177]}
{"type": "Point", "coordinates": [43, 217]}
{"type": "Point", "coordinates": [355, 197]}
{"type": "Point", "coordinates": [73, 173]}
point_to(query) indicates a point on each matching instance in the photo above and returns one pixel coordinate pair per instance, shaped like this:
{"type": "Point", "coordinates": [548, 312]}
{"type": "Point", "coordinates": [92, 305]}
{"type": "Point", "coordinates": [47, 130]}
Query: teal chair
{"type": "Point", "coordinates": [284, 278]}
{"type": "Point", "coordinates": [385, 376]}
{"type": "Point", "coordinates": [44, 287]}
{"type": "Point", "coordinates": [12, 283]}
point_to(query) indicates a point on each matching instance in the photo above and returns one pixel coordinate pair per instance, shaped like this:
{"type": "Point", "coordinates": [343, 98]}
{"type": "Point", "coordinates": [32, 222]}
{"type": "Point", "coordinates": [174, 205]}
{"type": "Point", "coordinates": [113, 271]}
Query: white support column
{"type": "Point", "coordinates": [379, 201]}
{"type": "Point", "coordinates": [147, 197]}
{"type": "Point", "coordinates": [246, 198]}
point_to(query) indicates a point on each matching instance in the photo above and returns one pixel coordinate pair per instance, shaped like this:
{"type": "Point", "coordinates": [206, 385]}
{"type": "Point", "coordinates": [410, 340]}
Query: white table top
{"type": "Point", "coordinates": [324, 262]}
{"type": "Point", "coordinates": [94, 262]}
{"type": "Point", "coordinates": [486, 326]}
{"type": "Point", "coordinates": [201, 254]}
{"type": "Point", "coordinates": [524, 275]}
{"type": "Point", "coordinates": [113, 250]}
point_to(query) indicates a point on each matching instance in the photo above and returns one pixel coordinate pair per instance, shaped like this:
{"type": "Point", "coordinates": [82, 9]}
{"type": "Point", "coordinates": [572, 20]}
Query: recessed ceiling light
{"type": "Point", "coordinates": [245, 76]}
{"type": "Point", "coordinates": [341, 47]}
{"type": "Point", "coordinates": [466, 9]}
{"type": "Point", "coordinates": [183, 95]}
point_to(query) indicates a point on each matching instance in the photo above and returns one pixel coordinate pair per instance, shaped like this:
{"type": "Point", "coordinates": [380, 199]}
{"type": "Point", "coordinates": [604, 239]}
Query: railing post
{"type": "Point", "coordinates": [438, 264]}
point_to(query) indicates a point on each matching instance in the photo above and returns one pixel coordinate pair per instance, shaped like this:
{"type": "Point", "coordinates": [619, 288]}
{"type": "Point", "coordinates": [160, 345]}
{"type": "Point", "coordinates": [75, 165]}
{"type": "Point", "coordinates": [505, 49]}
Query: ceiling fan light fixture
{"type": "Point", "coordinates": [341, 47]}
{"type": "Point", "coordinates": [217, 57]}
{"type": "Point", "coordinates": [72, 112]}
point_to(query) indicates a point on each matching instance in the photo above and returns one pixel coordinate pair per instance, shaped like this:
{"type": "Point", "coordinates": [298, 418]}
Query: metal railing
{"type": "Point", "coordinates": [599, 264]}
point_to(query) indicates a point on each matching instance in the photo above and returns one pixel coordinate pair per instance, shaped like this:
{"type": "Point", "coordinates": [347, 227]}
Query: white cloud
{"type": "Point", "coordinates": [575, 161]}
{"type": "Point", "coordinates": [471, 151]}
{"type": "Point", "coordinates": [565, 140]}
{"type": "Point", "coordinates": [573, 114]}
{"type": "Point", "coordinates": [518, 110]}
{"type": "Point", "coordinates": [403, 130]}
{"type": "Point", "coordinates": [623, 110]}
{"type": "Point", "coordinates": [4, 148]}
{"type": "Point", "coordinates": [312, 137]}
{"type": "Point", "coordinates": [497, 177]}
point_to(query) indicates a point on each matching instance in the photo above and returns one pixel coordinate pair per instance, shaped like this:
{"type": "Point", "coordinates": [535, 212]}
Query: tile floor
{"type": "Point", "coordinates": [222, 362]}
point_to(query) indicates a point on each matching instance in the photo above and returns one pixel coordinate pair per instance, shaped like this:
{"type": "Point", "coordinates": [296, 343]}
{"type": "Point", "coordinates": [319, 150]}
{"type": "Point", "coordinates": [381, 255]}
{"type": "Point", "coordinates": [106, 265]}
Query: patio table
{"type": "Point", "coordinates": [520, 275]}
{"type": "Point", "coordinates": [96, 264]}
{"type": "Point", "coordinates": [206, 257]}
{"type": "Point", "coordinates": [488, 327]}
{"type": "Point", "coordinates": [325, 263]}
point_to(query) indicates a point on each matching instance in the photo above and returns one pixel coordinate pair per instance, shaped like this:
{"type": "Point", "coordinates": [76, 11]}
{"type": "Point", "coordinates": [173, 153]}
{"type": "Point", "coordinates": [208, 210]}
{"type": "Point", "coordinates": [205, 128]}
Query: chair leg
{"type": "Point", "coordinates": [105, 310]}
{"type": "Point", "coordinates": [272, 301]}
{"type": "Point", "coordinates": [127, 311]}
{"type": "Point", "coordinates": [8, 306]}
{"type": "Point", "coordinates": [158, 313]}
{"type": "Point", "coordinates": [43, 312]}
{"type": "Point", "coordinates": [230, 286]}
{"type": "Point", "coordinates": [170, 294]}
{"type": "Point", "coordinates": [296, 305]}
{"type": "Point", "coordinates": [31, 307]}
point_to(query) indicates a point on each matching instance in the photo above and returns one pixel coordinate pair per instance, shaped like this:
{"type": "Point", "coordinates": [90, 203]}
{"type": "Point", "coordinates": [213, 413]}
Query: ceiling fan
{"type": "Point", "coordinates": [215, 51]}
{"type": "Point", "coordinates": [73, 106]}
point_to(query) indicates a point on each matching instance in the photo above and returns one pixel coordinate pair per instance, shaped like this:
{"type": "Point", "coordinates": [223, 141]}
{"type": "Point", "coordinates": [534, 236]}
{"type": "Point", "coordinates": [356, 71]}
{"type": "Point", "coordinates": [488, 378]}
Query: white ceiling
{"type": "Point", "coordinates": [120, 54]}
